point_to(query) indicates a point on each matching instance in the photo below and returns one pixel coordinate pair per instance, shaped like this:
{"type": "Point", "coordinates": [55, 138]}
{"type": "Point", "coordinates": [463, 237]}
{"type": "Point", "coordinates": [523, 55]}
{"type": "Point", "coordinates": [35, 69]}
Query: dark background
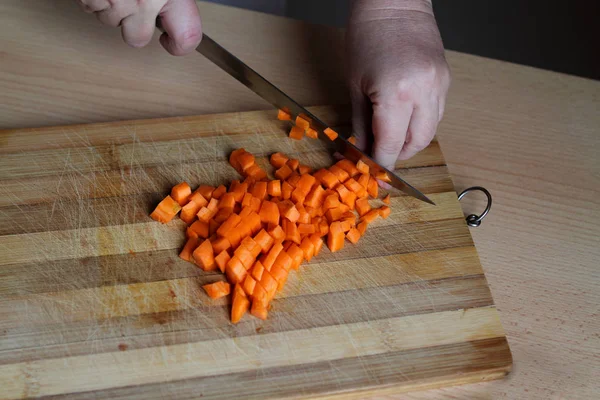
{"type": "Point", "coordinates": [562, 36]}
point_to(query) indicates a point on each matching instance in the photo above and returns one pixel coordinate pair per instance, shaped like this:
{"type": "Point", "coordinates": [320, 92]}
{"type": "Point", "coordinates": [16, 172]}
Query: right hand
{"type": "Point", "coordinates": [137, 19]}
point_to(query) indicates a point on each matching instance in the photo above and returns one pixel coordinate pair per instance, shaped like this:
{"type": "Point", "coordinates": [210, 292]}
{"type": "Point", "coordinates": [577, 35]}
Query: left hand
{"type": "Point", "coordinates": [399, 77]}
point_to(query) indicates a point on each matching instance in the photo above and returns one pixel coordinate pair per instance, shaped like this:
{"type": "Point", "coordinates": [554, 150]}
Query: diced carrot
{"type": "Point", "coordinates": [213, 226]}
{"type": "Point", "coordinates": [256, 172]}
{"type": "Point", "coordinates": [352, 139]}
{"type": "Point", "coordinates": [165, 210]}
{"type": "Point", "coordinates": [257, 270]}
{"type": "Point", "coordinates": [341, 174]}
{"type": "Point", "coordinates": [298, 196]}
{"type": "Point", "coordinates": [311, 133]}
{"type": "Point", "coordinates": [386, 199]}
{"type": "Point", "coordinates": [235, 270]}
{"type": "Point", "coordinates": [291, 231]}
{"type": "Point", "coordinates": [238, 191]}
{"type": "Point", "coordinates": [331, 134]}
{"type": "Point", "coordinates": [246, 160]}
{"type": "Point", "coordinates": [308, 247]}
{"type": "Point", "coordinates": [222, 214]}
{"type": "Point", "coordinates": [248, 285]}
{"type": "Point", "coordinates": [355, 187]}
{"type": "Point", "coordinates": [288, 210]}
{"type": "Point", "coordinates": [200, 228]}
{"type": "Point", "coordinates": [373, 187]}
{"type": "Point", "coordinates": [302, 123]}
{"type": "Point", "coordinates": [219, 191]}
{"type": "Point", "coordinates": [269, 213]}
{"type": "Point", "coordinates": [315, 197]}
{"type": "Point", "coordinates": [323, 227]}
{"type": "Point", "coordinates": [334, 214]}
{"type": "Point", "coordinates": [305, 229]}
{"type": "Point", "coordinates": [362, 167]}
{"type": "Point", "coordinates": [335, 237]}
{"type": "Point", "coordinates": [181, 193]}
{"type": "Point", "coordinates": [353, 235]}
{"type": "Point", "coordinates": [189, 211]}
{"type": "Point", "coordinates": [213, 204]}
{"type": "Point", "coordinates": [246, 199]}
{"type": "Point", "coordinates": [304, 216]}
{"type": "Point", "coordinates": [370, 216]}
{"type": "Point", "coordinates": [230, 223]}
{"type": "Point", "coordinates": [348, 166]}
{"type": "Point", "coordinates": [346, 225]}
{"type": "Point", "coordinates": [277, 232]}
{"type": "Point", "coordinates": [293, 179]}
{"type": "Point", "coordinates": [205, 215]}
{"type": "Point", "coordinates": [240, 305]}
{"type": "Point", "coordinates": [274, 188]}
{"type": "Point", "coordinates": [283, 173]}
{"type": "Point", "coordinates": [259, 190]}
{"type": "Point", "coordinates": [264, 240]}
{"type": "Point", "coordinates": [296, 133]}
{"type": "Point", "coordinates": [328, 179]}
{"type": "Point", "coordinates": [331, 201]}
{"type": "Point", "coordinates": [227, 200]}
{"type": "Point", "coordinates": [220, 244]}
{"type": "Point", "coordinates": [278, 160]}
{"type": "Point", "coordinates": [255, 204]}
{"type": "Point", "coordinates": [284, 260]}
{"type": "Point", "coordinates": [217, 290]}
{"type": "Point", "coordinates": [206, 191]}
{"type": "Point", "coordinates": [293, 163]}
{"type": "Point", "coordinates": [362, 227]}
{"type": "Point", "coordinates": [296, 254]}
{"type": "Point", "coordinates": [286, 190]}
{"type": "Point", "coordinates": [260, 295]}
{"type": "Point", "coordinates": [305, 183]}
{"type": "Point", "coordinates": [188, 249]}
{"type": "Point", "coordinates": [363, 180]}
{"type": "Point", "coordinates": [234, 158]}
{"type": "Point", "coordinates": [280, 274]}
{"type": "Point", "coordinates": [318, 242]}
{"type": "Point", "coordinates": [384, 211]}
{"type": "Point", "coordinates": [363, 206]}
{"type": "Point", "coordinates": [350, 217]}
{"type": "Point", "coordinates": [272, 255]}
{"type": "Point", "coordinates": [259, 310]}
{"type": "Point", "coordinates": [234, 238]}
{"type": "Point", "coordinates": [269, 284]}
{"type": "Point", "coordinates": [382, 176]}
{"type": "Point", "coordinates": [204, 257]}
{"type": "Point", "coordinates": [222, 259]}
{"type": "Point", "coordinates": [283, 115]}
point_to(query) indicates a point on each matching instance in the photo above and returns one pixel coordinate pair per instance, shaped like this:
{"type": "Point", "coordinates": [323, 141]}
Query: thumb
{"type": "Point", "coordinates": [390, 123]}
{"type": "Point", "coordinates": [183, 30]}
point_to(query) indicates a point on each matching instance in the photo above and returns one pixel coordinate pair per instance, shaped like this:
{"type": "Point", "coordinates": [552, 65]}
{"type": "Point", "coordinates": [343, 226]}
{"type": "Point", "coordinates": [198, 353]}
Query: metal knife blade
{"type": "Point", "coordinates": [259, 85]}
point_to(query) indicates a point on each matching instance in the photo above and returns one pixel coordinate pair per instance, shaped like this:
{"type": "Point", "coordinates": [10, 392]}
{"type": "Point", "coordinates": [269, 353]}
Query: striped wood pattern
{"type": "Point", "coordinates": [95, 301]}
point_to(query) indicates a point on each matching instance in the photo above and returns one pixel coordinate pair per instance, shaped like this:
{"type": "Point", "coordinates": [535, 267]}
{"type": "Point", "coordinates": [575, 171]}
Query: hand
{"type": "Point", "coordinates": [137, 19]}
{"type": "Point", "coordinates": [398, 76]}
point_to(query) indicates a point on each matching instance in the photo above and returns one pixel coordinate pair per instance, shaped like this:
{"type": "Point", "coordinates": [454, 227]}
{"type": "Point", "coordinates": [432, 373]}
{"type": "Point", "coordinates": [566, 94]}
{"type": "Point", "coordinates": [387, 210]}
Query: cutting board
{"type": "Point", "coordinates": [94, 300]}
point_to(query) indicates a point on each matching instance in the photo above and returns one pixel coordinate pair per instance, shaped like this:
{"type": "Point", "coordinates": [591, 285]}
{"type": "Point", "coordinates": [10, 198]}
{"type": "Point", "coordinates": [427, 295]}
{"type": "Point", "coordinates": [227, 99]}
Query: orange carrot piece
{"type": "Point", "coordinates": [331, 134]}
{"type": "Point", "coordinates": [269, 284]}
{"type": "Point", "coordinates": [260, 295]}
{"type": "Point", "coordinates": [256, 172]}
{"type": "Point", "coordinates": [235, 271]}
{"type": "Point", "coordinates": [278, 160]}
{"type": "Point", "coordinates": [362, 167]}
{"type": "Point", "coordinates": [331, 201]}
{"type": "Point", "coordinates": [293, 163]}
{"type": "Point", "coordinates": [283, 173]}
{"type": "Point", "coordinates": [248, 285]}
{"type": "Point", "coordinates": [284, 260]}
{"type": "Point", "coordinates": [181, 193]}
{"type": "Point", "coordinates": [277, 232]}
{"type": "Point", "coordinates": [217, 290]}
{"type": "Point", "coordinates": [272, 255]}
{"type": "Point", "coordinates": [334, 214]}
{"type": "Point", "coordinates": [274, 188]}
{"type": "Point", "coordinates": [222, 259]}
{"type": "Point", "coordinates": [346, 225]}
{"type": "Point", "coordinates": [264, 240]}
{"type": "Point", "coordinates": [328, 179]}
{"type": "Point", "coordinates": [363, 206]}
{"type": "Point", "coordinates": [259, 310]}
{"type": "Point", "coordinates": [239, 191]}
{"type": "Point", "coordinates": [382, 176]}
{"type": "Point", "coordinates": [280, 274]}
{"type": "Point", "coordinates": [230, 223]}
{"type": "Point", "coordinates": [355, 187]}
{"type": "Point", "coordinates": [189, 211]}
{"type": "Point", "coordinates": [373, 187]}
{"type": "Point", "coordinates": [335, 237]}
{"type": "Point", "coordinates": [288, 210]}
{"type": "Point", "coordinates": [362, 227]}
{"type": "Point", "coordinates": [255, 204]}
{"type": "Point", "coordinates": [286, 190]}
{"type": "Point", "coordinates": [291, 231]}
{"type": "Point", "coordinates": [302, 123]}
{"type": "Point", "coordinates": [206, 191]}
{"type": "Point", "coordinates": [227, 200]}
{"type": "Point", "coordinates": [259, 190]}
{"type": "Point", "coordinates": [318, 242]}
{"type": "Point", "coordinates": [246, 199]}
{"type": "Point", "coordinates": [305, 183]}
{"type": "Point", "coordinates": [308, 247]}
{"type": "Point", "coordinates": [353, 235]}
{"type": "Point", "coordinates": [200, 228]}
{"type": "Point", "coordinates": [257, 270]}
{"type": "Point", "coordinates": [165, 210]}
{"type": "Point", "coordinates": [222, 215]}
{"type": "Point", "coordinates": [283, 115]}
{"type": "Point", "coordinates": [245, 257]}
{"type": "Point", "coordinates": [370, 216]}
{"type": "Point", "coordinates": [296, 254]}
{"type": "Point", "coordinates": [311, 133]}
{"type": "Point", "coordinates": [386, 199]}
{"type": "Point", "coordinates": [293, 179]}
{"type": "Point", "coordinates": [384, 211]}
{"type": "Point", "coordinates": [234, 158]}
{"type": "Point", "coordinates": [296, 133]}
{"type": "Point", "coordinates": [188, 249]}
{"type": "Point", "coordinates": [304, 216]}
{"type": "Point", "coordinates": [339, 173]}
{"type": "Point", "coordinates": [190, 233]}
{"type": "Point", "coordinates": [220, 245]}
{"type": "Point", "coordinates": [246, 160]}
{"type": "Point", "coordinates": [352, 139]}
{"type": "Point", "coordinates": [219, 191]}
{"type": "Point", "coordinates": [204, 257]}
{"type": "Point", "coordinates": [315, 196]}
{"type": "Point", "coordinates": [213, 204]}
{"type": "Point", "coordinates": [269, 213]}
{"type": "Point", "coordinates": [298, 196]}
{"type": "Point", "coordinates": [323, 227]}
{"type": "Point", "coordinates": [240, 305]}
{"type": "Point", "coordinates": [348, 166]}
{"type": "Point", "coordinates": [306, 229]}
{"type": "Point", "coordinates": [363, 180]}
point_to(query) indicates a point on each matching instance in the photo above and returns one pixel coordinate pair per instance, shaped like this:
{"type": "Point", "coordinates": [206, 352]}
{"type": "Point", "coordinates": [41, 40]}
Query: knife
{"type": "Point", "coordinates": [259, 85]}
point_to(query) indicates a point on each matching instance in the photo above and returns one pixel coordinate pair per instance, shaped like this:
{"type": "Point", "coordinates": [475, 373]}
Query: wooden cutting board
{"type": "Point", "coordinates": [95, 302]}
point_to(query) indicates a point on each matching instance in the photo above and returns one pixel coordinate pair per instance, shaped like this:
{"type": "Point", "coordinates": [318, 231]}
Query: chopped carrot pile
{"type": "Point", "coordinates": [256, 231]}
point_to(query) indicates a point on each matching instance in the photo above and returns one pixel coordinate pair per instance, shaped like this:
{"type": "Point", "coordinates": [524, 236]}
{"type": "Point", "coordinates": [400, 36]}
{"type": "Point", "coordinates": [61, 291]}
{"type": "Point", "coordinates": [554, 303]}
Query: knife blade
{"type": "Point", "coordinates": [269, 92]}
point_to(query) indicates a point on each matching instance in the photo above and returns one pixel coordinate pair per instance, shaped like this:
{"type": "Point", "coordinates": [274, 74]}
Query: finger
{"type": "Point", "coordinates": [441, 107]}
{"type": "Point", "coordinates": [361, 118]}
{"type": "Point", "coordinates": [137, 29]}
{"type": "Point", "coordinates": [183, 31]}
{"type": "Point", "coordinates": [91, 6]}
{"type": "Point", "coordinates": [421, 130]}
{"type": "Point", "coordinates": [113, 16]}
{"type": "Point", "coordinates": [390, 123]}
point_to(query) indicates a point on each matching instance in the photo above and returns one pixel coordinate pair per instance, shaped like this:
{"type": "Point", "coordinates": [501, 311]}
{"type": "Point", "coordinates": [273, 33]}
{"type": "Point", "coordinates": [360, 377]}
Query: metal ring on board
{"type": "Point", "coordinates": [475, 220]}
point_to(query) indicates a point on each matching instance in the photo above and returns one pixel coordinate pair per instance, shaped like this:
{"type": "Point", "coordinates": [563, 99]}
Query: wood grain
{"type": "Point", "coordinates": [530, 136]}
{"type": "Point", "coordinates": [80, 285]}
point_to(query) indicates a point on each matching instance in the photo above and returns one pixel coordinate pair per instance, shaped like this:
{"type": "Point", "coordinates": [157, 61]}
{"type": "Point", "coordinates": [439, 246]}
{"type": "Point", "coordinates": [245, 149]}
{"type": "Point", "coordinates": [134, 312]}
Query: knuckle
{"type": "Point", "coordinates": [188, 39]}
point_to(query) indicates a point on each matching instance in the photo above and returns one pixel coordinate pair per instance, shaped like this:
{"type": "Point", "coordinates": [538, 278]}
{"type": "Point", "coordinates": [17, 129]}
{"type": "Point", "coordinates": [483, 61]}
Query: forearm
{"type": "Point", "coordinates": [375, 9]}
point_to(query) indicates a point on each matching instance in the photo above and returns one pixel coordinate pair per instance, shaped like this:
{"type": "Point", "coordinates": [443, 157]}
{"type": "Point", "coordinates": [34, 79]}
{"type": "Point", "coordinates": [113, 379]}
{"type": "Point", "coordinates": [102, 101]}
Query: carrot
{"type": "Point", "coordinates": [373, 187]}
{"type": "Point", "coordinates": [291, 231]}
{"type": "Point", "coordinates": [304, 169]}
{"type": "Point", "coordinates": [165, 210]}
{"type": "Point", "coordinates": [386, 199]}
{"type": "Point", "coordinates": [288, 210]}
{"type": "Point", "coordinates": [189, 247]}
{"type": "Point", "coordinates": [259, 190]}
{"type": "Point", "coordinates": [352, 139]}
{"type": "Point", "coordinates": [286, 190]}
{"type": "Point", "coordinates": [190, 233]}
{"type": "Point", "coordinates": [200, 228]}
{"type": "Point", "coordinates": [298, 196]}
{"type": "Point", "coordinates": [235, 270]}
{"type": "Point", "coordinates": [362, 227]}
{"type": "Point", "coordinates": [306, 229]}
{"type": "Point", "coordinates": [296, 133]}
{"type": "Point", "coordinates": [370, 216]}
{"type": "Point", "coordinates": [213, 204]}
{"type": "Point", "coordinates": [384, 211]}
{"type": "Point", "coordinates": [274, 188]}
{"type": "Point", "coordinates": [204, 257]}
{"type": "Point", "coordinates": [257, 270]}
{"type": "Point", "coordinates": [328, 179]}
{"type": "Point", "coordinates": [283, 115]}
{"type": "Point", "coordinates": [347, 197]}
{"type": "Point", "coordinates": [240, 305]}
{"type": "Point", "coordinates": [304, 216]}
{"type": "Point", "coordinates": [269, 213]}
{"type": "Point", "coordinates": [283, 173]}
{"type": "Point", "coordinates": [284, 260]}
{"type": "Point", "coordinates": [280, 274]}
{"type": "Point", "coordinates": [335, 237]}
{"type": "Point", "coordinates": [234, 159]}
{"type": "Point", "coordinates": [355, 187]}
{"type": "Point", "coordinates": [331, 134]}
{"type": "Point", "coordinates": [348, 166]}
{"type": "Point", "coordinates": [220, 245]}
{"type": "Point", "coordinates": [334, 214]}
{"type": "Point", "coordinates": [219, 191]}
{"type": "Point", "coordinates": [341, 174]}
{"type": "Point", "coordinates": [217, 290]}
{"type": "Point", "coordinates": [264, 240]}
{"type": "Point", "coordinates": [248, 285]}
{"type": "Point", "coordinates": [363, 180]}
{"type": "Point", "coordinates": [259, 310]}
{"type": "Point", "coordinates": [246, 199]}
{"type": "Point", "coordinates": [255, 204]}
{"type": "Point", "coordinates": [222, 215]}
{"type": "Point", "coordinates": [271, 256]}
{"type": "Point", "coordinates": [346, 225]}
{"type": "Point", "coordinates": [205, 214]}
{"type": "Point", "coordinates": [308, 247]}
{"type": "Point", "coordinates": [260, 296]}
{"type": "Point", "coordinates": [353, 235]}
{"type": "Point", "coordinates": [278, 160]}
{"type": "Point", "coordinates": [305, 183]}
{"type": "Point", "coordinates": [363, 206]}
{"type": "Point", "coordinates": [222, 259]}
{"type": "Point", "coordinates": [255, 172]}
{"type": "Point", "coordinates": [362, 167]}
{"type": "Point", "coordinates": [332, 201]}
{"type": "Point", "coordinates": [246, 160]}
{"type": "Point", "coordinates": [302, 123]}
{"type": "Point", "coordinates": [382, 176]}
{"type": "Point", "coordinates": [269, 284]}
{"type": "Point", "coordinates": [206, 191]}
{"type": "Point", "coordinates": [318, 242]}
{"type": "Point", "coordinates": [277, 232]}
{"type": "Point", "coordinates": [181, 193]}
{"type": "Point", "coordinates": [230, 223]}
